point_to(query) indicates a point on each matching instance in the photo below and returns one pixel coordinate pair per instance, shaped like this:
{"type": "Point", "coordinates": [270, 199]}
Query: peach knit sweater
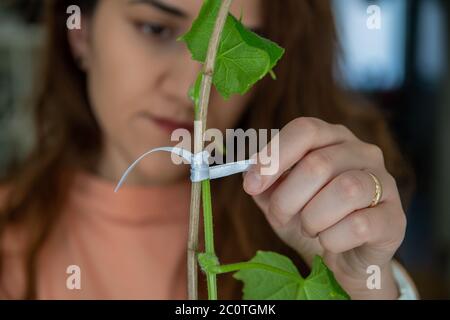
{"type": "Point", "coordinates": [128, 245]}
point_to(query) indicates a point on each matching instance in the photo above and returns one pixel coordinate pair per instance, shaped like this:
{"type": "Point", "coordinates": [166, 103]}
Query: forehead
{"type": "Point", "coordinates": [249, 9]}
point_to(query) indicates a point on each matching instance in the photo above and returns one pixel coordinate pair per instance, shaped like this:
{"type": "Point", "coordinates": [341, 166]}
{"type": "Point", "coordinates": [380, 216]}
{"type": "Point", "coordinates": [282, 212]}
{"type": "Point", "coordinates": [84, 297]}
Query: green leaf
{"type": "Point", "coordinates": [262, 284]}
{"type": "Point", "coordinates": [243, 57]}
{"type": "Point", "coordinates": [321, 284]}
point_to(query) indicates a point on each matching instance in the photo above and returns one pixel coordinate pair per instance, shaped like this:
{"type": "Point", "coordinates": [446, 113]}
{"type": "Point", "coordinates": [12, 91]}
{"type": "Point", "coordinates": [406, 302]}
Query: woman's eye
{"type": "Point", "coordinates": [156, 30]}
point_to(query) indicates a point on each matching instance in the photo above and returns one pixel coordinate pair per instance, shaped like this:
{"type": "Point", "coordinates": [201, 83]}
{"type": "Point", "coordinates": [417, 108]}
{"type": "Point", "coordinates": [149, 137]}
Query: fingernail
{"type": "Point", "coordinates": [253, 182]}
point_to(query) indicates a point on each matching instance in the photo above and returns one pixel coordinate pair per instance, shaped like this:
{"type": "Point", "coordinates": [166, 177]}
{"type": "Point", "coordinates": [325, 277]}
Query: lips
{"type": "Point", "coordinates": [170, 125]}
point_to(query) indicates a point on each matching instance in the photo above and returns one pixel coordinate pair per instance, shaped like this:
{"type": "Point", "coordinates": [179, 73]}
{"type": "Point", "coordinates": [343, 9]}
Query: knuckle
{"type": "Point", "coordinates": [391, 180]}
{"type": "Point", "coordinates": [360, 226]}
{"type": "Point", "coordinates": [276, 207]}
{"type": "Point", "coordinates": [350, 186]}
{"type": "Point", "coordinates": [402, 224]}
{"type": "Point", "coordinates": [309, 125]}
{"type": "Point", "coordinates": [346, 131]}
{"type": "Point", "coordinates": [328, 244]}
{"type": "Point", "coordinates": [398, 230]}
{"type": "Point", "coordinates": [374, 152]}
{"type": "Point", "coordinates": [318, 164]}
{"type": "Point", "coordinates": [308, 224]}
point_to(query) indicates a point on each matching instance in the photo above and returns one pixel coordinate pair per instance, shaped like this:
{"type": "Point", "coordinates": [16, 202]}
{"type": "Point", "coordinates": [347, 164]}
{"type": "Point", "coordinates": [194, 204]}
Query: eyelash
{"type": "Point", "coordinates": [155, 30]}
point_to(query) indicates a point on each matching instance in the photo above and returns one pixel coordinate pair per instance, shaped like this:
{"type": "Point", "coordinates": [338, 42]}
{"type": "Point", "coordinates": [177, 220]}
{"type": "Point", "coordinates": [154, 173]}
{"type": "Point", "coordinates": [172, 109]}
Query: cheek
{"type": "Point", "coordinates": [115, 78]}
{"type": "Point", "coordinates": [122, 77]}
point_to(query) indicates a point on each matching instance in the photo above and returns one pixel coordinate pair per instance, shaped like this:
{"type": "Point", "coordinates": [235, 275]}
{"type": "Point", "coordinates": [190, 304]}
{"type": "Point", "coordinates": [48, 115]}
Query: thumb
{"type": "Point", "coordinates": [262, 200]}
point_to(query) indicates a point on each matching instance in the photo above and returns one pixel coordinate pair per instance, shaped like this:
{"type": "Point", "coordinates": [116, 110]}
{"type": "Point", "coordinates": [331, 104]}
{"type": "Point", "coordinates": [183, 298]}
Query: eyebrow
{"type": "Point", "coordinates": [161, 6]}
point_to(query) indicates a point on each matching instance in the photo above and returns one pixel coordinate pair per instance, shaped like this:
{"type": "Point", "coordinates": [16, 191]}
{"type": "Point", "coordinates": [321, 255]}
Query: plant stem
{"type": "Point", "coordinates": [205, 92]}
{"type": "Point", "coordinates": [211, 277]}
{"type": "Point", "coordinates": [193, 242]}
{"type": "Point", "coordinates": [208, 217]}
{"type": "Point", "coordinates": [253, 265]}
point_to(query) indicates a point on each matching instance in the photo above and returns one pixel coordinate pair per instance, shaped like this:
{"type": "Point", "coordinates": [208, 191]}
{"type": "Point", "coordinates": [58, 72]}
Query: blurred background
{"type": "Point", "coordinates": [394, 52]}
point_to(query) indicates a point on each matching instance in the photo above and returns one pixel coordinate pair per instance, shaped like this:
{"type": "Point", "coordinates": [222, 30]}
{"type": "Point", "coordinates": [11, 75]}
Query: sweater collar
{"type": "Point", "coordinates": [132, 204]}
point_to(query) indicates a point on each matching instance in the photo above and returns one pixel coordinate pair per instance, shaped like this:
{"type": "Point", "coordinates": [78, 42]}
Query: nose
{"type": "Point", "coordinates": [181, 76]}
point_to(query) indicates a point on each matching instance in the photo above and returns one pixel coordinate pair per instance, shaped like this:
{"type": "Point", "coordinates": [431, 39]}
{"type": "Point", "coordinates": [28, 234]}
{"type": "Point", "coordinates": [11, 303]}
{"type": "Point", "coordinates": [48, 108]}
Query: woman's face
{"type": "Point", "coordinates": [139, 77]}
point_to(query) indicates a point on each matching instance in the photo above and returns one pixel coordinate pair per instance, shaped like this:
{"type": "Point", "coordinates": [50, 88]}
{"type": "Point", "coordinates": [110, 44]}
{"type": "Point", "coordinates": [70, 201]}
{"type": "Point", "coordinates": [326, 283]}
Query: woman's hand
{"type": "Point", "coordinates": [318, 202]}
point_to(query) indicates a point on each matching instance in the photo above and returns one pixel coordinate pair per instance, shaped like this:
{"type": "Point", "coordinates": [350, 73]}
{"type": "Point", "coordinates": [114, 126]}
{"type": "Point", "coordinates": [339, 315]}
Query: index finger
{"type": "Point", "coordinates": [294, 141]}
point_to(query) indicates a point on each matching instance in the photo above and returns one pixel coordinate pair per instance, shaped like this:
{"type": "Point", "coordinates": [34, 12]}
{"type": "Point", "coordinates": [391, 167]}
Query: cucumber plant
{"type": "Point", "coordinates": [234, 59]}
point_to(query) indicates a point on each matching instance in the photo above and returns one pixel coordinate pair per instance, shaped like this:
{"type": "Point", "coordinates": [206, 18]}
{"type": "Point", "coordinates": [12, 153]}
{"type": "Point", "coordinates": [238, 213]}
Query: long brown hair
{"type": "Point", "coordinates": [67, 133]}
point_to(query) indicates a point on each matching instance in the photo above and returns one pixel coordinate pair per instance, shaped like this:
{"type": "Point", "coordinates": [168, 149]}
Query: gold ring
{"type": "Point", "coordinates": [378, 191]}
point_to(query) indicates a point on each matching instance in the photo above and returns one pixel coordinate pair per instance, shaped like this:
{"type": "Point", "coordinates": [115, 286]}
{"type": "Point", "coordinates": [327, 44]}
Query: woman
{"type": "Point", "coordinates": [117, 87]}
